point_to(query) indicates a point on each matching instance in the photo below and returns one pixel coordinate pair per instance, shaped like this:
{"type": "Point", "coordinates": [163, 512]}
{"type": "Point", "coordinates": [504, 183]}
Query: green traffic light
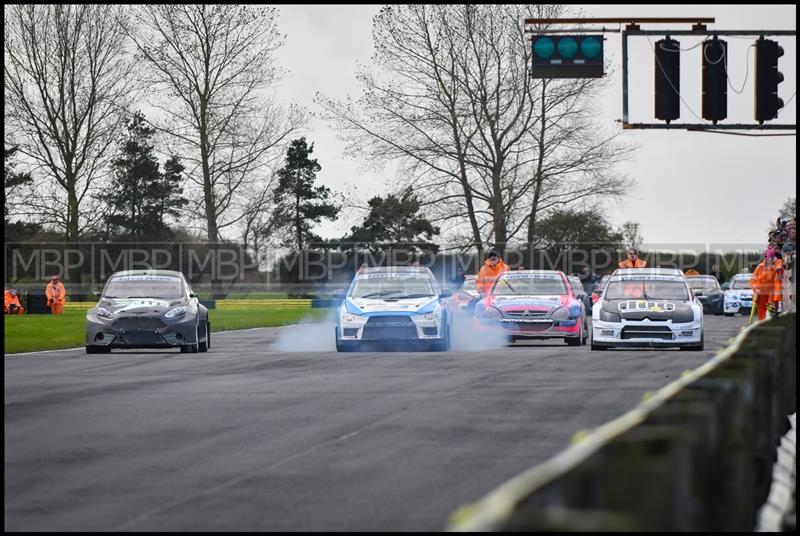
{"type": "Point", "coordinates": [544, 47]}
{"type": "Point", "coordinates": [591, 47]}
{"type": "Point", "coordinates": [567, 47]}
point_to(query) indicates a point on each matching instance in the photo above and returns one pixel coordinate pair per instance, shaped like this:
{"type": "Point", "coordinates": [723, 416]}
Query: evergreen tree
{"type": "Point", "coordinates": [18, 186]}
{"type": "Point", "coordinates": [300, 204]}
{"type": "Point", "coordinates": [577, 228]}
{"type": "Point", "coordinates": [140, 196]}
{"type": "Point", "coordinates": [394, 219]}
{"type": "Point", "coordinates": [12, 180]}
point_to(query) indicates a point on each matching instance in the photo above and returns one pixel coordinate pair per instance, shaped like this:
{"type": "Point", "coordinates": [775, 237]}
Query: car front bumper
{"type": "Point", "coordinates": [530, 328]}
{"type": "Point", "coordinates": [737, 306]}
{"type": "Point", "coordinates": [137, 332]}
{"type": "Point", "coordinates": [646, 334]}
{"type": "Point", "coordinates": [385, 328]}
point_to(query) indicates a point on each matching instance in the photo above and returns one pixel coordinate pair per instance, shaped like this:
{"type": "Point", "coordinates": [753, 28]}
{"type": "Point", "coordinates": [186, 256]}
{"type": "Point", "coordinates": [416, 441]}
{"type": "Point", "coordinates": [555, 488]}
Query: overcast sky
{"type": "Point", "coordinates": [691, 187]}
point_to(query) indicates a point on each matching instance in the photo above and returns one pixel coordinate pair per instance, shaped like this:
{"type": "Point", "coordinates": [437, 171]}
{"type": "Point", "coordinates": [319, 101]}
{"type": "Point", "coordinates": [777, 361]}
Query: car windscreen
{"type": "Point", "coordinates": [529, 286]}
{"type": "Point", "coordinates": [739, 284]}
{"type": "Point", "coordinates": [647, 289]}
{"type": "Point", "coordinates": [144, 286]}
{"type": "Point", "coordinates": [577, 287]}
{"type": "Point", "coordinates": [387, 285]}
{"type": "Point", "coordinates": [704, 283]}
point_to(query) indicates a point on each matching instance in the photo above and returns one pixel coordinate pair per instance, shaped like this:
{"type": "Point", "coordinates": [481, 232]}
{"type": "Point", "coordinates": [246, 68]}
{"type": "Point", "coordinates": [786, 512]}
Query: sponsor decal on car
{"type": "Point", "coordinates": [646, 277]}
{"type": "Point", "coordinates": [646, 305]}
{"type": "Point", "coordinates": [145, 278]}
{"type": "Point", "coordinates": [513, 275]}
{"type": "Point", "coordinates": [399, 275]}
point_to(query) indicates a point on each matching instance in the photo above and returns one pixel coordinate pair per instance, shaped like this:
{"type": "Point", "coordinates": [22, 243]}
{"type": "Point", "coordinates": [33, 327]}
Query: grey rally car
{"type": "Point", "coordinates": [148, 309]}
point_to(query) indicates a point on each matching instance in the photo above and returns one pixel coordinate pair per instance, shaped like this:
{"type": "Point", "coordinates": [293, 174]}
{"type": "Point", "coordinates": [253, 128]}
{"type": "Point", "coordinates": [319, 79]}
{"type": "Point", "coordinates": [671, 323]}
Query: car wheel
{"type": "Point", "coordinates": [204, 345]}
{"type": "Point", "coordinates": [192, 348]}
{"type": "Point", "coordinates": [90, 349]}
{"type": "Point", "coordinates": [441, 346]}
{"type": "Point", "coordinates": [574, 341]}
{"type": "Point", "coordinates": [344, 346]}
{"type": "Point", "coordinates": [586, 333]}
{"type": "Point", "coordinates": [696, 347]}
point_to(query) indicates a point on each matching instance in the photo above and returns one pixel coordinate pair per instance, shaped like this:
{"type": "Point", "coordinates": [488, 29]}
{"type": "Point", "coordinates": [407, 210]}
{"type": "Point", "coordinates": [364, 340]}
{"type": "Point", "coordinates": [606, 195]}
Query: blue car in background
{"type": "Point", "coordinates": [394, 306]}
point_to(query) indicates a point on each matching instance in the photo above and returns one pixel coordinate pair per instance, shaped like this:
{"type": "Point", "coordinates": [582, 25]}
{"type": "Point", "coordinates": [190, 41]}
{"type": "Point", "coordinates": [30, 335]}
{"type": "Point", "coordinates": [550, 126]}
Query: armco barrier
{"type": "Point", "coordinates": [696, 455]}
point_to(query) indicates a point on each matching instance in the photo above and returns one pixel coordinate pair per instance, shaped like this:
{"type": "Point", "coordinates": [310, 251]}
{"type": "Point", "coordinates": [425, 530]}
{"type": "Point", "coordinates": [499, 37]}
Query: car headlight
{"type": "Point", "coordinates": [608, 316]}
{"type": "Point", "coordinates": [104, 313]}
{"type": "Point", "coordinates": [490, 313]}
{"type": "Point", "coordinates": [562, 313]}
{"type": "Point", "coordinates": [347, 317]}
{"type": "Point", "coordinates": [430, 316]}
{"type": "Point", "coordinates": [176, 312]}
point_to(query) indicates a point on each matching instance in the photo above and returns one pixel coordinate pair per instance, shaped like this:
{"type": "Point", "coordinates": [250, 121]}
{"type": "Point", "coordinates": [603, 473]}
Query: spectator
{"type": "Point", "coordinates": [789, 246]}
{"type": "Point", "coordinates": [717, 274]}
{"type": "Point", "coordinates": [766, 284]}
{"type": "Point", "coordinates": [56, 296]}
{"type": "Point", "coordinates": [788, 285]}
{"type": "Point", "coordinates": [361, 268]}
{"type": "Point", "coordinates": [459, 278]}
{"type": "Point", "coordinates": [633, 260]}
{"type": "Point", "coordinates": [588, 280]}
{"type": "Point", "coordinates": [776, 240]}
{"type": "Point", "coordinates": [692, 271]}
{"type": "Point", "coordinates": [11, 305]}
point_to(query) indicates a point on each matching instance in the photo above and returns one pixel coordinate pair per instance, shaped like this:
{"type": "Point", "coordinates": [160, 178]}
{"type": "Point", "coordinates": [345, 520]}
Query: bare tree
{"type": "Point", "coordinates": [67, 81]}
{"type": "Point", "coordinates": [480, 139]}
{"type": "Point", "coordinates": [209, 68]}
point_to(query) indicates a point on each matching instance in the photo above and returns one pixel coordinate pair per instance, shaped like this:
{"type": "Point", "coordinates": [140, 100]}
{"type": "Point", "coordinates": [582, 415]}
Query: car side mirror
{"type": "Point", "coordinates": [192, 295]}
{"type": "Point", "coordinates": [445, 293]}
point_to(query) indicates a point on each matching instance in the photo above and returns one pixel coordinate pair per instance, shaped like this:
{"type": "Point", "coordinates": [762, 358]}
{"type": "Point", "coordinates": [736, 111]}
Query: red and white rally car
{"type": "Point", "coordinates": [533, 304]}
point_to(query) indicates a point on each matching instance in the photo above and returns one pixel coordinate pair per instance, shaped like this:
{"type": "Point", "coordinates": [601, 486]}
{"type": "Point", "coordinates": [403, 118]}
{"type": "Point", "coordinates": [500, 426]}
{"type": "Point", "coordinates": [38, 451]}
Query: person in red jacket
{"type": "Point", "coordinates": [766, 284]}
{"type": "Point", "coordinates": [493, 267]}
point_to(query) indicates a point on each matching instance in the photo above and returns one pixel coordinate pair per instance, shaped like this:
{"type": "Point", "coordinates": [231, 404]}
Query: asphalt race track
{"type": "Point", "coordinates": [250, 437]}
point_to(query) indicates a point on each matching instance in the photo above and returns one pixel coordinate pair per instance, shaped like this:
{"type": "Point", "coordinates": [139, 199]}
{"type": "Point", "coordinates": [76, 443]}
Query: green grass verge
{"type": "Point", "coordinates": [29, 333]}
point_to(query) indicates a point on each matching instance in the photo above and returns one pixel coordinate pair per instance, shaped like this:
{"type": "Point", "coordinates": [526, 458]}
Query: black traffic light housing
{"type": "Point", "coordinates": [567, 56]}
{"type": "Point", "coordinates": [668, 79]}
{"type": "Point", "coordinates": [715, 79]}
{"type": "Point", "coordinates": [768, 77]}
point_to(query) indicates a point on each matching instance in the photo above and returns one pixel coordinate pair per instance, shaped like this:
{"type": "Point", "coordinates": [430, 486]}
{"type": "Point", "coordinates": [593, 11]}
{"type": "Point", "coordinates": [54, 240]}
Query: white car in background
{"type": "Point", "coordinates": [647, 307]}
{"type": "Point", "coordinates": [739, 296]}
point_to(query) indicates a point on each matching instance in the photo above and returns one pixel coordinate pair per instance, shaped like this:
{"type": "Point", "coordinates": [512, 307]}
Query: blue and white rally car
{"type": "Point", "coordinates": [647, 307]}
{"type": "Point", "coordinates": [739, 296]}
{"type": "Point", "coordinates": [398, 306]}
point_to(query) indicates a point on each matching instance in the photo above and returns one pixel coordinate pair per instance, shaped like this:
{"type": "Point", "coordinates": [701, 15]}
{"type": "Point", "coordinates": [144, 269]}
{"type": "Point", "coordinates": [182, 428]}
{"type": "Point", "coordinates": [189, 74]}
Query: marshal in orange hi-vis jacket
{"type": "Point", "coordinates": [11, 305]}
{"type": "Point", "coordinates": [56, 296]}
{"type": "Point", "coordinates": [766, 283]}
{"type": "Point", "coordinates": [493, 267]}
{"type": "Point", "coordinates": [633, 260]}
